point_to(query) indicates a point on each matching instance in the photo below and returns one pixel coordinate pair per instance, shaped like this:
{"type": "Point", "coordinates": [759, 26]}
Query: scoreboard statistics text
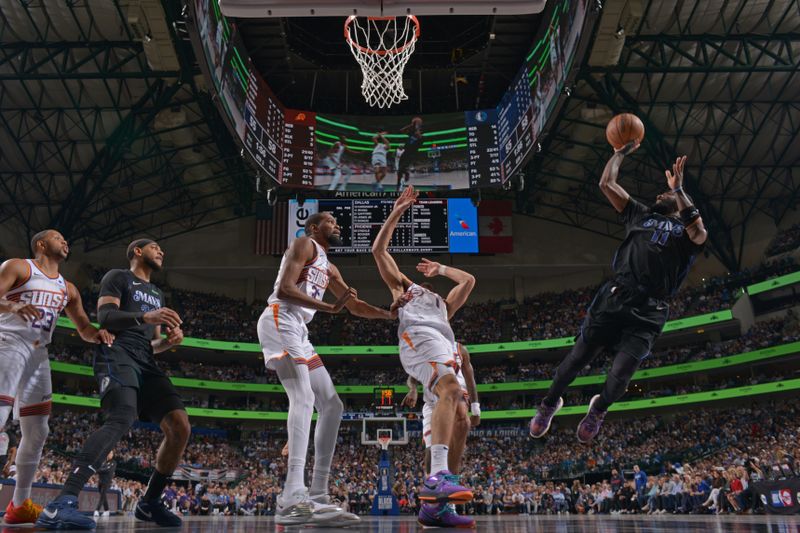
{"type": "Point", "coordinates": [430, 226]}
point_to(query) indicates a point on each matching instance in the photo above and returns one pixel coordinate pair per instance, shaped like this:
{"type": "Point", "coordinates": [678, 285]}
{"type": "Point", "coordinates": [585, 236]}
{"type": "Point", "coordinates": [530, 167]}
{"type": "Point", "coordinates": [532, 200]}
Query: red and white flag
{"type": "Point", "coordinates": [271, 232]}
{"type": "Point", "coordinates": [494, 223]}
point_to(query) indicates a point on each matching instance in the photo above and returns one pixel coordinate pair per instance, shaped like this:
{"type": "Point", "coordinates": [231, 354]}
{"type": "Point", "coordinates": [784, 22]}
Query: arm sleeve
{"type": "Point", "coordinates": [632, 212]}
{"type": "Point", "coordinates": [112, 319]}
{"type": "Point", "coordinates": [113, 284]}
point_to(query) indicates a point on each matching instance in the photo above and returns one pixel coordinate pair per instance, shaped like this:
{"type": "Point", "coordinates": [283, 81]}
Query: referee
{"type": "Point", "coordinates": [629, 311]}
{"type": "Point", "coordinates": [131, 386]}
{"type": "Point", "coordinates": [105, 479]}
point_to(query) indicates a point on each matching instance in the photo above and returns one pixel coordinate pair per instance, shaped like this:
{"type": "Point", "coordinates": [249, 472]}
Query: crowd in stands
{"type": "Point", "coordinates": [543, 316]}
{"type": "Point", "coordinates": [363, 404]}
{"type": "Point", "coordinates": [761, 335]}
{"type": "Point", "coordinates": [785, 241]}
{"type": "Point", "coordinates": [701, 461]}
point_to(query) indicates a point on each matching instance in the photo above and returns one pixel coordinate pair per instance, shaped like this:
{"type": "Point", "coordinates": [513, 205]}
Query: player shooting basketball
{"type": "Point", "coordinates": [426, 353]}
{"type": "Point", "coordinates": [630, 310]}
{"type": "Point", "coordinates": [410, 150]}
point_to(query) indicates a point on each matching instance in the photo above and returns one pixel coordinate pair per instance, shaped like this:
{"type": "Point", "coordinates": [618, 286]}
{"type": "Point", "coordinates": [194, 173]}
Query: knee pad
{"type": "Point", "coordinates": [34, 434]}
{"type": "Point", "coordinates": [333, 405]}
{"type": "Point", "coordinates": [120, 417]}
{"type": "Point", "coordinates": [303, 402]}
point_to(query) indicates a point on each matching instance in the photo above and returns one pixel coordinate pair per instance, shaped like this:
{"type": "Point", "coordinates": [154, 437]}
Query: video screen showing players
{"type": "Point", "coordinates": [371, 153]}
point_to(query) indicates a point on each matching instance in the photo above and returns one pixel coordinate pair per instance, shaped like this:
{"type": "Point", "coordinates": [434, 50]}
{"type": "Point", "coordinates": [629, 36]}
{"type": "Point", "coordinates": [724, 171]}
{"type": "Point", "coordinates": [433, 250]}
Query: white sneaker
{"type": "Point", "coordinates": [96, 514]}
{"type": "Point", "coordinates": [294, 509]}
{"type": "Point", "coordinates": [330, 514]}
{"type": "Point", "coordinates": [106, 514]}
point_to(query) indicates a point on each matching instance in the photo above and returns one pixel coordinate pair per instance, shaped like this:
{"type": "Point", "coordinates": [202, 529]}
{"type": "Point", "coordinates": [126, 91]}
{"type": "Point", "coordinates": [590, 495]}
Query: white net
{"type": "Point", "coordinates": [382, 46]}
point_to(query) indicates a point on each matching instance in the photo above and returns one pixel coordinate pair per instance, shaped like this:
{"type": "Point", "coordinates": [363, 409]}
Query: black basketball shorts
{"type": "Point", "coordinates": [624, 320]}
{"type": "Point", "coordinates": [121, 366]}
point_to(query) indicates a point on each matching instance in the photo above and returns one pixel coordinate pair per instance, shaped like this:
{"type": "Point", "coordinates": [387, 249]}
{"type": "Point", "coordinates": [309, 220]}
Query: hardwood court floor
{"type": "Point", "coordinates": [498, 524]}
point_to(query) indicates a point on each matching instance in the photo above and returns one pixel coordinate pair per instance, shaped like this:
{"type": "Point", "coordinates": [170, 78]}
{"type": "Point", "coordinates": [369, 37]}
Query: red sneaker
{"type": "Point", "coordinates": [24, 515]}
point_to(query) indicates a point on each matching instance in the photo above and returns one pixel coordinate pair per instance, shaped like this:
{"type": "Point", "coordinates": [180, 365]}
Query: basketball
{"type": "Point", "coordinates": [623, 129]}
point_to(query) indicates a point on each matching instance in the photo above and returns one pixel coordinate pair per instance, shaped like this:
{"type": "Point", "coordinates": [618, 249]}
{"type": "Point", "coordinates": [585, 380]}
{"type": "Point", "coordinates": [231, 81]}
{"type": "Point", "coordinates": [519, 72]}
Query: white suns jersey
{"type": "Point", "coordinates": [336, 156]}
{"type": "Point", "coordinates": [425, 308]}
{"type": "Point", "coordinates": [313, 281]}
{"type": "Point", "coordinates": [47, 294]}
{"type": "Point", "coordinates": [380, 149]}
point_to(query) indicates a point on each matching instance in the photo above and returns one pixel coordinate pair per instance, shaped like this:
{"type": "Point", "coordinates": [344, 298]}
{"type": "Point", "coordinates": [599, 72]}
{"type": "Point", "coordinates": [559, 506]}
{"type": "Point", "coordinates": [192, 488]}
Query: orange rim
{"type": "Point", "coordinates": [370, 51]}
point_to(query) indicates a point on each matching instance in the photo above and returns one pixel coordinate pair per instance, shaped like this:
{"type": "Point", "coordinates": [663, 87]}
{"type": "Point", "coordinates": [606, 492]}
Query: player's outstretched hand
{"type": "Point", "coordinates": [474, 421]}
{"type": "Point", "coordinates": [174, 336]}
{"type": "Point", "coordinates": [628, 148]}
{"type": "Point", "coordinates": [675, 178]}
{"type": "Point", "coordinates": [26, 311]}
{"type": "Point", "coordinates": [348, 295]}
{"type": "Point", "coordinates": [103, 336]}
{"type": "Point", "coordinates": [163, 315]}
{"type": "Point", "coordinates": [411, 398]}
{"type": "Point", "coordinates": [402, 300]}
{"type": "Point", "coordinates": [406, 199]}
{"type": "Point", "coordinates": [428, 267]}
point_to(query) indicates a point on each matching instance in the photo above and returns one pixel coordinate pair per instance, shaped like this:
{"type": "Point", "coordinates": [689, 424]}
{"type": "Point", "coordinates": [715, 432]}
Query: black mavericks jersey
{"type": "Point", "coordinates": [657, 252]}
{"type": "Point", "coordinates": [135, 296]}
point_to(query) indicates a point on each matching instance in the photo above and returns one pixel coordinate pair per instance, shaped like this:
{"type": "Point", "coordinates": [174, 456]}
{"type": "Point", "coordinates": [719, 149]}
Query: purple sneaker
{"type": "Point", "coordinates": [540, 423]}
{"type": "Point", "coordinates": [443, 487]}
{"type": "Point", "coordinates": [443, 515]}
{"type": "Point", "coordinates": [591, 423]}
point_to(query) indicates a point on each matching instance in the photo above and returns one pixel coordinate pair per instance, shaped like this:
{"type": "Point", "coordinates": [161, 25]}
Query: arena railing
{"type": "Point", "coordinates": [763, 354]}
{"type": "Point", "coordinates": [774, 283]}
{"type": "Point", "coordinates": [520, 346]}
{"type": "Point", "coordinates": [644, 404]}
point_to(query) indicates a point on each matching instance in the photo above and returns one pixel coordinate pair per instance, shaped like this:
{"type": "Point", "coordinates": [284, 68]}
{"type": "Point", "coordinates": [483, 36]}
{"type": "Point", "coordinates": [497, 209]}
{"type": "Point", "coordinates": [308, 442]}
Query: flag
{"type": "Point", "coordinates": [494, 227]}
{"type": "Point", "coordinates": [271, 228]}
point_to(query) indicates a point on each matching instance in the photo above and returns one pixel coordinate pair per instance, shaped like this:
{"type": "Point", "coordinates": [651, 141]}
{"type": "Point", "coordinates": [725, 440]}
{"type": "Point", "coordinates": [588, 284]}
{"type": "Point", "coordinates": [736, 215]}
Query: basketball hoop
{"type": "Point", "coordinates": [384, 438]}
{"type": "Point", "coordinates": [382, 46]}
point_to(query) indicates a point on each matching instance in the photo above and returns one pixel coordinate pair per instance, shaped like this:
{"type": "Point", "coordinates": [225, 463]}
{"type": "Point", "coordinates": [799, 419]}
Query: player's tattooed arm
{"type": "Point", "coordinates": [356, 307]}
{"type": "Point", "coordinates": [12, 273]}
{"type": "Point", "coordinates": [690, 216]}
{"type": "Point", "coordinates": [161, 344]}
{"type": "Point", "coordinates": [387, 267]}
{"type": "Point", "coordinates": [74, 310]}
{"type": "Point", "coordinates": [608, 180]}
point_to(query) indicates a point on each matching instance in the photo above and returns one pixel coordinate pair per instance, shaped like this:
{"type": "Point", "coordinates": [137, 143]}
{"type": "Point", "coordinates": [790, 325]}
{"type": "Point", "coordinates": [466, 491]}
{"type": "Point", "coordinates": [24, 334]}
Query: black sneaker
{"type": "Point", "coordinates": [62, 513]}
{"type": "Point", "coordinates": [158, 512]}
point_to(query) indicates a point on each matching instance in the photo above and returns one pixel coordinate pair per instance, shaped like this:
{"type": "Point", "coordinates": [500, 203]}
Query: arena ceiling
{"type": "Point", "coordinates": [107, 129]}
{"type": "Point", "coordinates": [718, 81]}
